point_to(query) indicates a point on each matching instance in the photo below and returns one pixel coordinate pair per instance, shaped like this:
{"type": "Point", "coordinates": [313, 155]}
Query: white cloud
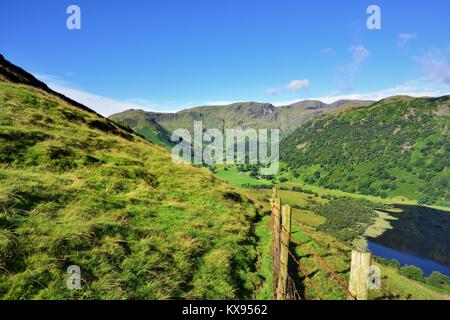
{"type": "Point", "coordinates": [435, 67]}
{"type": "Point", "coordinates": [102, 105]}
{"type": "Point", "coordinates": [273, 92]}
{"type": "Point", "coordinates": [346, 74]}
{"type": "Point", "coordinates": [413, 89]}
{"type": "Point", "coordinates": [404, 38]}
{"type": "Point", "coordinates": [298, 84]}
{"type": "Point", "coordinates": [108, 106]}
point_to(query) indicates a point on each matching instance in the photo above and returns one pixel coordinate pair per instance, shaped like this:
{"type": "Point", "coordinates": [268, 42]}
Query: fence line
{"type": "Point", "coordinates": [284, 252]}
{"type": "Point", "coordinates": [340, 282]}
{"type": "Point", "coordinates": [359, 280]}
{"type": "Point", "coordinates": [305, 274]}
{"type": "Point", "coordinates": [328, 269]}
{"type": "Point", "coordinates": [276, 244]}
{"type": "Point", "coordinates": [283, 285]}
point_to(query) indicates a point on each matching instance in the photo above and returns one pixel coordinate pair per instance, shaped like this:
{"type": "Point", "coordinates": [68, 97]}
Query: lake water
{"type": "Point", "coordinates": [420, 237]}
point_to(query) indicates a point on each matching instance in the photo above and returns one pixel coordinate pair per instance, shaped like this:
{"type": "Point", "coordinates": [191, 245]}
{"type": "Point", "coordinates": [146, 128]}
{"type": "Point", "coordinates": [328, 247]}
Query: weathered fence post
{"type": "Point", "coordinates": [274, 193]}
{"type": "Point", "coordinates": [284, 252]}
{"type": "Point", "coordinates": [276, 226]}
{"type": "Point", "coordinates": [359, 274]}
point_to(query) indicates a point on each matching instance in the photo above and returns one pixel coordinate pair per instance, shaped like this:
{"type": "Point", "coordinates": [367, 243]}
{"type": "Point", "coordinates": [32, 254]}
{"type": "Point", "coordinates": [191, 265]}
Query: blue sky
{"type": "Point", "coordinates": [166, 55]}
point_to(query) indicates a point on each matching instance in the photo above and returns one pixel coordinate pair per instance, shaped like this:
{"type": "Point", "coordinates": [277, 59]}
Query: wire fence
{"type": "Point", "coordinates": [321, 262]}
{"type": "Point", "coordinates": [325, 266]}
{"type": "Point", "coordinates": [286, 283]}
{"type": "Point", "coordinates": [290, 289]}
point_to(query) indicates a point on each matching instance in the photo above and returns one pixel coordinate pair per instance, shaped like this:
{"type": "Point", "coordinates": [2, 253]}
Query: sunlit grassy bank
{"type": "Point", "coordinates": [76, 189]}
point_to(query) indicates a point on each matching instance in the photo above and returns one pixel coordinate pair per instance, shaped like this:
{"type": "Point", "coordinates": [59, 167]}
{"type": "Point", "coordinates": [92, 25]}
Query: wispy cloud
{"type": "Point", "coordinates": [359, 55]}
{"type": "Point", "coordinates": [294, 85]}
{"type": "Point", "coordinates": [107, 106]}
{"type": "Point", "coordinates": [435, 66]}
{"type": "Point", "coordinates": [412, 88]}
{"type": "Point", "coordinates": [102, 105]}
{"type": "Point", "coordinates": [298, 84]}
{"type": "Point", "coordinates": [346, 74]}
{"type": "Point", "coordinates": [404, 38]}
{"type": "Point", "coordinates": [273, 92]}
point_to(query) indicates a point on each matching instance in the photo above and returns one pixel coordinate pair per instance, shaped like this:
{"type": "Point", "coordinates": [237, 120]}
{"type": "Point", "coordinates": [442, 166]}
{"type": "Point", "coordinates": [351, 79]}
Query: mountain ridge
{"type": "Point", "coordinates": [244, 115]}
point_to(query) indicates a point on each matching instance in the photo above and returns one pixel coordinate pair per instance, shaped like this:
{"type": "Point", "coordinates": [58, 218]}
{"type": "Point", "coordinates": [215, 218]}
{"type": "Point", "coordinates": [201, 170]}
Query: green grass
{"type": "Point", "coordinates": [76, 189]}
{"type": "Point", "coordinates": [233, 177]}
{"type": "Point", "coordinates": [150, 130]}
{"type": "Point", "coordinates": [308, 218]}
{"type": "Point", "coordinates": [396, 287]}
{"type": "Point", "coordinates": [264, 263]}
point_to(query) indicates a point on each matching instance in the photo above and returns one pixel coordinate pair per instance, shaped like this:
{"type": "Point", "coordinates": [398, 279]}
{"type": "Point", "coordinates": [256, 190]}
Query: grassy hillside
{"type": "Point", "coordinates": [238, 115]}
{"type": "Point", "coordinates": [397, 147]}
{"type": "Point", "coordinates": [145, 126]}
{"type": "Point", "coordinates": [77, 189]}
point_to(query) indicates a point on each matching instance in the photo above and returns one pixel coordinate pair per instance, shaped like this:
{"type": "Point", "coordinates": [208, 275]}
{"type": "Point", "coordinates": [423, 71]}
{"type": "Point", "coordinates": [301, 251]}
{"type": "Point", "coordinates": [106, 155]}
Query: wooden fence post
{"type": "Point", "coordinates": [274, 193]}
{"type": "Point", "coordinates": [284, 253]}
{"type": "Point", "coordinates": [359, 274]}
{"type": "Point", "coordinates": [276, 226]}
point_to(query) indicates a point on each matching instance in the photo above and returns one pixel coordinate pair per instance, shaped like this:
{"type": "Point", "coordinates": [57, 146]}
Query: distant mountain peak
{"type": "Point", "coordinates": [236, 115]}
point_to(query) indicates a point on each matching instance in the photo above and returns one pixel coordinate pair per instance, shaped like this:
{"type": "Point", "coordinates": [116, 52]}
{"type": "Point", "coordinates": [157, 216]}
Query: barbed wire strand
{"type": "Point", "coordinates": [341, 283]}
{"type": "Point", "coordinates": [322, 263]}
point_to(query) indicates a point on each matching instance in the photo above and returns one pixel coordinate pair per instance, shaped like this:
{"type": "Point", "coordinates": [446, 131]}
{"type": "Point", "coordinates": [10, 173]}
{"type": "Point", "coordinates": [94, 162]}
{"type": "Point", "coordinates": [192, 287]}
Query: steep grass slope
{"type": "Point", "coordinates": [148, 128]}
{"type": "Point", "coordinates": [77, 189]}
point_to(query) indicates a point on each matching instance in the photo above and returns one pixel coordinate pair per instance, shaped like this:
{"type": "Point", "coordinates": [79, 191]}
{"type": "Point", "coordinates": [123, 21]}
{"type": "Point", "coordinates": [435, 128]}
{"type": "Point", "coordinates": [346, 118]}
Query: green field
{"type": "Point", "coordinates": [233, 177]}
